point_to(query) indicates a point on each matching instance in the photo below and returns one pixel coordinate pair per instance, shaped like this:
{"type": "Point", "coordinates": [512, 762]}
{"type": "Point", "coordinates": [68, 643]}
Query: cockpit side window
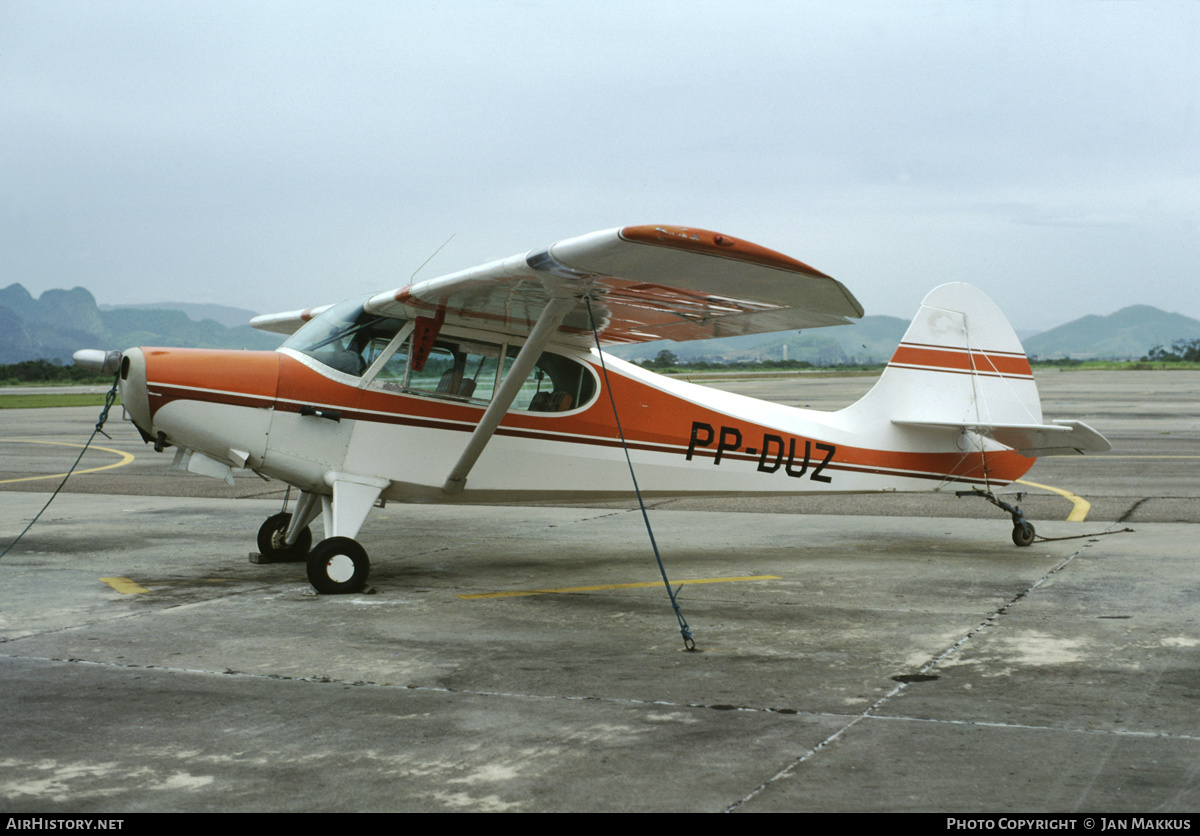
{"type": "Point", "coordinates": [457, 369]}
{"type": "Point", "coordinates": [465, 370]}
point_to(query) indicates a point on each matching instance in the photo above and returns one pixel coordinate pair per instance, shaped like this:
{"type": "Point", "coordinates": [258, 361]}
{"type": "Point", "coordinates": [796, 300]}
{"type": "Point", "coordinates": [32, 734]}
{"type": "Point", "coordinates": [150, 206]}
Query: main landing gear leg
{"type": "Point", "coordinates": [286, 538]}
{"type": "Point", "coordinates": [1023, 533]}
{"type": "Point", "coordinates": [338, 564]}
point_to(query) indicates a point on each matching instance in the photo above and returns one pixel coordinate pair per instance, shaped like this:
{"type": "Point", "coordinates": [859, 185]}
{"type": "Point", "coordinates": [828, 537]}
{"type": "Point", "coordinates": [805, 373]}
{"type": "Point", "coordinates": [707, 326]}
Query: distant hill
{"type": "Point", "coordinates": [59, 322]}
{"type": "Point", "coordinates": [871, 339]}
{"type": "Point", "coordinates": [227, 316]}
{"type": "Point", "coordinates": [1127, 334]}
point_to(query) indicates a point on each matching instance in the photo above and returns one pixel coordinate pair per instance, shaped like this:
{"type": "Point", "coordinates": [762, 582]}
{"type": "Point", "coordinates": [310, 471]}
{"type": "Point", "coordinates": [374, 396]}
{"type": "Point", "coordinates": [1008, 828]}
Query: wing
{"type": "Point", "coordinates": [643, 283]}
{"type": "Point", "coordinates": [288, 322]}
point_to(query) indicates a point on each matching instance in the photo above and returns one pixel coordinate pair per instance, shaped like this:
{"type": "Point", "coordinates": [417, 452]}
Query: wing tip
{"type": "Point", "coordinates": [287, 322]}
{"type": "Point", "coordinates": [707, 242]}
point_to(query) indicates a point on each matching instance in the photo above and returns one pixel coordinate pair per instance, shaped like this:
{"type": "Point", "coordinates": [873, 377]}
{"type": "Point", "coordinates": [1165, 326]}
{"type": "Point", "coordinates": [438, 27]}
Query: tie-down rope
{"type": "Point", "coordinates": [684, 630]}
{"type": "Point", "coordinates": [109, 399]}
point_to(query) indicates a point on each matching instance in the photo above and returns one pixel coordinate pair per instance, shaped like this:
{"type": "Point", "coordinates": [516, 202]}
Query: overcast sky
{"type": "Point", "coordinates": [275, 155]}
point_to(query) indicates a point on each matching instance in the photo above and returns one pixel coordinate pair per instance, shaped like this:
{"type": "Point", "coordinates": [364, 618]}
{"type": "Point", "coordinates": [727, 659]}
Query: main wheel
{"type": "Point", "coordinates": [1023, 534]}
{"type": "Point", "coordinates": [337, 566]}
{"type": "Point", "coordinates": [272, 546]}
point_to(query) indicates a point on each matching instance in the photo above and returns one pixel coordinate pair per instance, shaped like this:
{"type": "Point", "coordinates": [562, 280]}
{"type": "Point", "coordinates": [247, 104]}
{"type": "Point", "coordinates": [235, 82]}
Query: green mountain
{"type": "Point", "coordinates": [59, 322]}
{"type": "Point", "coordinates": [224, 314]}
{"type": "Point", "coordinates": [1129, 333]}
{"type": "Point", "coordinates": [871, 339]}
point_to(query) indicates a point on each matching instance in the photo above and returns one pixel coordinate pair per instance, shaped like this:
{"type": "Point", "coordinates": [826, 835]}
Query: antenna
{"type": "Point", "coordinates": [426, 261]}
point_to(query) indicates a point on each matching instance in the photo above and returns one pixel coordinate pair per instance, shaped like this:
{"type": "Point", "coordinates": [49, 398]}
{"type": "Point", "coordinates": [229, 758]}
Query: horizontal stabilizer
{"type": "Point", "coordinates": [1062, 438]}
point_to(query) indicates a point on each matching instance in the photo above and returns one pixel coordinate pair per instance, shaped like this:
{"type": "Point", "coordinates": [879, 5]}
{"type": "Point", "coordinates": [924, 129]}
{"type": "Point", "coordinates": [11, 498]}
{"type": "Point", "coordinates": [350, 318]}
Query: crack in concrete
{"type": "Point", "coordinates": [1125, 517]}
{"type": "Point", "coordinates": [870, 711]}
{"type": "Point", "coordinates": [853, 719]}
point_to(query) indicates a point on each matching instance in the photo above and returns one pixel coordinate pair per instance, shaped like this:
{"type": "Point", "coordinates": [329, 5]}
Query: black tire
{"type": "Point", "coordinates": [338, 566]}
{"type": "Point", "coordinates": [1023, 534]}
{"type": "Point", "coordinates": [271, 545]}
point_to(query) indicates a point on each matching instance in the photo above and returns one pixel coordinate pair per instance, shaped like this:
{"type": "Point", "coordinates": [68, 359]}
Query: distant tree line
{"type": "Point", "coordinates": [1181, 351]}
{"type": "Point", "coordinates": [47, 371]}
{"type": "Point", "coordinates": [668, 360]}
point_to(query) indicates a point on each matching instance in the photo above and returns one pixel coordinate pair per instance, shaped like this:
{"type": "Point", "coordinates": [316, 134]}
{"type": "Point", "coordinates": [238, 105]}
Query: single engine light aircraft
{"type": "Point", "coordinates": [487, 385]}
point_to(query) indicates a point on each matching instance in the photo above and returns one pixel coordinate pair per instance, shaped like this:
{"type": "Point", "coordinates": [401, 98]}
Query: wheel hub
{"type": "Point", "coordinates": [340, 568]}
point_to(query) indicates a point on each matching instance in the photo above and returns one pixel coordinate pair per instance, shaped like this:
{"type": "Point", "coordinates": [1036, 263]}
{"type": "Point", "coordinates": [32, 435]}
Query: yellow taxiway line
{"type": "Point", "coordinates": [126, 458]}
{"type": "Point", "coordinates": [124, 585]}
{"type": "Point", "coordinates": [564, 589]}
{"type": "Point", "coordinates": [1082, 506]}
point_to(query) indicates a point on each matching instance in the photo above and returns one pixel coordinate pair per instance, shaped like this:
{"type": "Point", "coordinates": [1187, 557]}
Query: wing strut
{"type": "Point", "coordinates": [551, 317]}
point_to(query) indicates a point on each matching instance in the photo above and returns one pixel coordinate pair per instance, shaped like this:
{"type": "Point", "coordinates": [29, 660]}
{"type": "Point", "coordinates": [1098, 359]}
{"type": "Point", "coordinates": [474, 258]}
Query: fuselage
{"type": "Point", "coordinates": [292, 416]}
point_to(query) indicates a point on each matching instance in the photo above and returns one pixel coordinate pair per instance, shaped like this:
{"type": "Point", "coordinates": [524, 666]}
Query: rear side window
{"type": "Point", "coordinates": [557, 384]}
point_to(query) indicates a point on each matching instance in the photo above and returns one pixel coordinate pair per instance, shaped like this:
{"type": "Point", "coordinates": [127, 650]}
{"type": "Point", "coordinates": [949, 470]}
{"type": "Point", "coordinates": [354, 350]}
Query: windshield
{"type": "Point", "coordinates": [345, 338]}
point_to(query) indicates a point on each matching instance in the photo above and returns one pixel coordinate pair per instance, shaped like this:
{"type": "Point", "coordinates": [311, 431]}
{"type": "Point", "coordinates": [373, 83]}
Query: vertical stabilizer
{"type": "Point", "coordinates": [960, 362]}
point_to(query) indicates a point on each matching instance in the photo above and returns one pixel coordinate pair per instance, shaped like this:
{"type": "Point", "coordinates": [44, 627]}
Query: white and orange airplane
{"type": "Point", "coordinates": [488, 385]}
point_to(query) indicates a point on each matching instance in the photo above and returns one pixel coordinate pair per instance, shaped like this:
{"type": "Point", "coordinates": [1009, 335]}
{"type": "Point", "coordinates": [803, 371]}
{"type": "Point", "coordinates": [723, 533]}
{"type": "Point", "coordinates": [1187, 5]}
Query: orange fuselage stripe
{"type": "Point", "coordinates": [653, 420]}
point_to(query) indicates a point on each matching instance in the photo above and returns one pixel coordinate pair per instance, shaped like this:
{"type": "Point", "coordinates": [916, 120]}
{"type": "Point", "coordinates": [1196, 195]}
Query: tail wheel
{"type": "Point", "coordinates": [1023, 534]}
{"type": "Point", "coordinates": [338, 566]}
{"type": "Point", "coordinates": [272, 546]}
